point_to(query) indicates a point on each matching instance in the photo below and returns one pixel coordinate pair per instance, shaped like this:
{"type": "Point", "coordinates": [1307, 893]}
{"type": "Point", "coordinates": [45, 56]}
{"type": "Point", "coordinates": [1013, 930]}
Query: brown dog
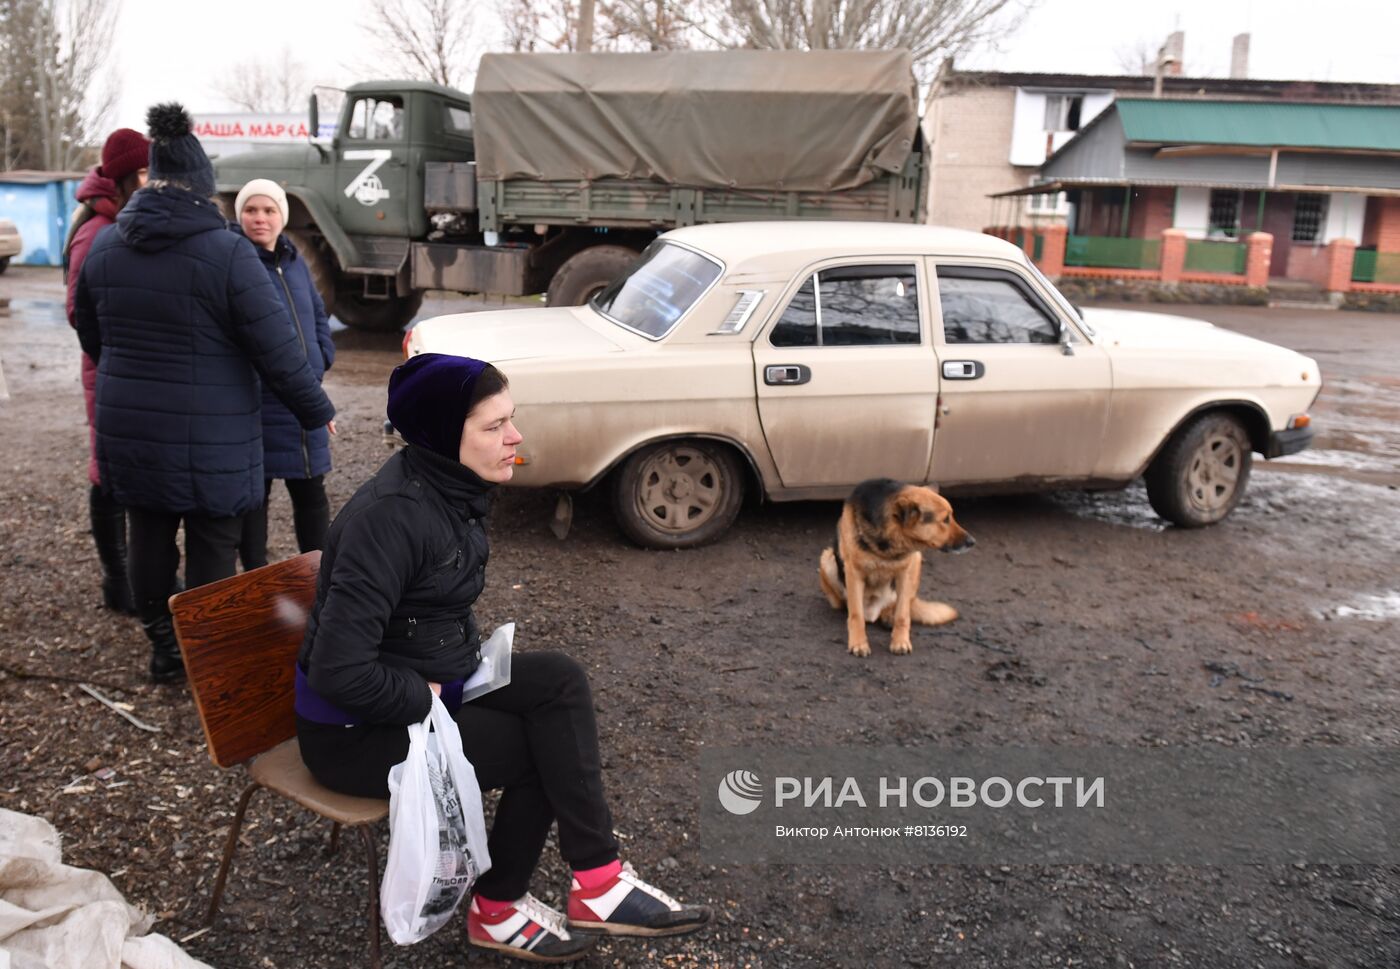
{"type": "Point", "coordinates": [874, 570]}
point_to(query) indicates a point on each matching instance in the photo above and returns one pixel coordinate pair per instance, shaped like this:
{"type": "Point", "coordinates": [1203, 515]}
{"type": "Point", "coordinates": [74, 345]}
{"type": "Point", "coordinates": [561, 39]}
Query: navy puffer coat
{"type": "Point", "coordinates": [289, 450]}
{"type": "Point", "coordinates": [182, 319]}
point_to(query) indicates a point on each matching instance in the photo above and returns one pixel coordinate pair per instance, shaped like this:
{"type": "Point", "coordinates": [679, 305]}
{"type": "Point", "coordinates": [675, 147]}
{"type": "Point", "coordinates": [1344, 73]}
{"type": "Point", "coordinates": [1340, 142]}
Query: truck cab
{"type": "Point", "coordinates": [356, 197]}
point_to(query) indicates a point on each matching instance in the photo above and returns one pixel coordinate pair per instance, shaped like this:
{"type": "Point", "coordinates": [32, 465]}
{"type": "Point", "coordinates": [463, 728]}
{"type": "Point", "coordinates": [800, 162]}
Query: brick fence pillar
{"type": "Point", "coordinates": [1341, 253]}
{"type": "Point", "coordinates": [1173, 255]}
{"type": "Point", "coordinates": [1259, 249]}
{"type": "Point", "coordinates": [1052, 249]}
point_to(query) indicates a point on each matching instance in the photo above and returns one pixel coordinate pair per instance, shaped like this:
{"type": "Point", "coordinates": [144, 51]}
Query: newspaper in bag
{"type": "Point", "coordinates": [437, 835]}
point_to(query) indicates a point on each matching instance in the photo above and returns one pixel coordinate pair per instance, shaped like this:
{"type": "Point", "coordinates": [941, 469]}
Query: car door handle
{"type": "Point", "coordinates": [963, 369]}
{"type": "Point", "coordinates": [786, 373]}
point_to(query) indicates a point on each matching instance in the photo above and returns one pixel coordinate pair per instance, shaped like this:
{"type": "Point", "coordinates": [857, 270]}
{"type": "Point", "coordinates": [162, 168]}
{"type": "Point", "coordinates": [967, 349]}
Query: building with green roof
{"type": "Point", "coordinates": [1308, 173]}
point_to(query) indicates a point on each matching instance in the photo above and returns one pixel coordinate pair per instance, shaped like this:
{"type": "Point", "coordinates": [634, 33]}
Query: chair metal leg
{"type": "Point", "coordinates": [372, 859]}
{"type": "Point", "coordinates": [335, 838]}
{"type": "Point", "coordinates": [230, 846]}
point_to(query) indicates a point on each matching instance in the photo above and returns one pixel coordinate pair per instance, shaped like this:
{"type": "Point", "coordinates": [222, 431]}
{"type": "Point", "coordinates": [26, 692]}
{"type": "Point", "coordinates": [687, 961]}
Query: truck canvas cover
{"type": "Point", "coordinates": [807, 121]}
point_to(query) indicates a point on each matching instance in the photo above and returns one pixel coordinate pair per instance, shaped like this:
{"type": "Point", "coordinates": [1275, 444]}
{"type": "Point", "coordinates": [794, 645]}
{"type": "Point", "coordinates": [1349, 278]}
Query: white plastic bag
{"type": "Point", "coordinates": [437, 835]}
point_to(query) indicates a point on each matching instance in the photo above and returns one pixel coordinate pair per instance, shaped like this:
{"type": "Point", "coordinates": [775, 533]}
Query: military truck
{"type": "Point", "coordinates": [560, 168]}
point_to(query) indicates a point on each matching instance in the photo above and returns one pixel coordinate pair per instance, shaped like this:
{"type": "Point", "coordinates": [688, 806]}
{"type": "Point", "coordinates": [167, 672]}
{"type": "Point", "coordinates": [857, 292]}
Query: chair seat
{"type": "Point", "coordinates": [281, 769]}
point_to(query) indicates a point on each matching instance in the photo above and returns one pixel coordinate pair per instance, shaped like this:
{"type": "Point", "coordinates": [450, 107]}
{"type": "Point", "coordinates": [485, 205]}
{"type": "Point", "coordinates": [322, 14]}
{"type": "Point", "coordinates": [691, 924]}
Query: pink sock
{"type": "Point", "coordinates": [593, 877]}
{"type": "Point", "coordinates": [490, 907]}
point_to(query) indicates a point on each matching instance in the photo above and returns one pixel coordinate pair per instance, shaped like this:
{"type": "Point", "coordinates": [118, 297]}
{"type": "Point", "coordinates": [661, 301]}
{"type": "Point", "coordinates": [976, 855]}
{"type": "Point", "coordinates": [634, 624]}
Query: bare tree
{"type": "Point", "coordinates": [277, 84]}
{"type": "Point", "coordinates": [55, 93]}
{"type": "Point", "coordinates": [1137, 58]}
{"type": "Point", "coordinates": [429, 39]}
{"type": "Point", "coordinates": [618, 25]}
{"type": "Point", "coordinates": [931, 29]}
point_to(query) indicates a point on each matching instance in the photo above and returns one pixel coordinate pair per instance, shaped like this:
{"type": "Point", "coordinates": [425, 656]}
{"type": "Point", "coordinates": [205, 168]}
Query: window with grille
{"type": "Point", "coordinates": [1225, 212]}
{"type": "Point", "coordinates": [1308, 215]}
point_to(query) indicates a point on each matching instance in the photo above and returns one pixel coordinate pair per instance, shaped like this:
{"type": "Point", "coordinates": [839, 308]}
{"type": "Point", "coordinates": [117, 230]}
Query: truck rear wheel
{"type": "Point", "coordinates": [587, 273]}
{"type": "Point", "coordinates": [319, 264]}
{"type": "Point", "coordinates": [381, 315]}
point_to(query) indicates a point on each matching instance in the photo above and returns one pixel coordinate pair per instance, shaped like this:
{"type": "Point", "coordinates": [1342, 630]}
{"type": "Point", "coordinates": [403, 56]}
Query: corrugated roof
{"type": "Point", "coordinates": [1270, 125]}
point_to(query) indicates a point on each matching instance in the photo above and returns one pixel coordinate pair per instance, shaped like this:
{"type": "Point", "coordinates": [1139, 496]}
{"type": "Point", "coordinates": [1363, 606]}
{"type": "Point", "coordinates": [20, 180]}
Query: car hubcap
{"type": "Point", "coordinates": [679, 489]}
{"type": "Point", "coordinates": [1215, 473]}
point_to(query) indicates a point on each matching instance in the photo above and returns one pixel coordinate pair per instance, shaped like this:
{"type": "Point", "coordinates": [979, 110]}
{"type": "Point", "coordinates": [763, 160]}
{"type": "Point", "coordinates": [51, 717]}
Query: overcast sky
{"type": "Point", "coordinates": [163, 51]}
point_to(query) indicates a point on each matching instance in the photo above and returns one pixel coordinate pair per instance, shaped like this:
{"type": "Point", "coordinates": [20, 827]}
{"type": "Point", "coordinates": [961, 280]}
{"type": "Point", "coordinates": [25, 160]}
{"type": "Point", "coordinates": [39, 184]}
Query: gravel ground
{"type": "Point", "coordinates": [1108, 618]}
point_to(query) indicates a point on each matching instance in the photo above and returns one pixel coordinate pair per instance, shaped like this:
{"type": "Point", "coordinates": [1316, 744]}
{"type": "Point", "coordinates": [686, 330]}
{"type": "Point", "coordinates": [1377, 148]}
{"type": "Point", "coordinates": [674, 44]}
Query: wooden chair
{"type": "Point", "coordinates": [239, 638]}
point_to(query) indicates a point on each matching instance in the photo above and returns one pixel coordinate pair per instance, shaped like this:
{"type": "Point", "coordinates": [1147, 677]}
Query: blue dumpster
{"type": "Point", "coordinates": [40, 204]}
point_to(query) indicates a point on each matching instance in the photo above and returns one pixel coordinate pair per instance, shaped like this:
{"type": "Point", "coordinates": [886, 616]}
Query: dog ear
{"type": "Point", "coordinates": [910, 514]}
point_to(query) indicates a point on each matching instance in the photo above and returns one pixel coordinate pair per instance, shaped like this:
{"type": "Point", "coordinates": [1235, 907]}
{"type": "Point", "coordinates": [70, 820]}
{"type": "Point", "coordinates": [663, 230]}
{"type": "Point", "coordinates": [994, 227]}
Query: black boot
{"type": "Point", "coordinates": [167, 666]}
{"type": "Point", "coordinates": [109, 534]}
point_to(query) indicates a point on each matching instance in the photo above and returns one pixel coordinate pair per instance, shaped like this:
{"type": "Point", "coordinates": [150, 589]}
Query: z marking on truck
{"type": "Point", "coordinates": [366, 188]}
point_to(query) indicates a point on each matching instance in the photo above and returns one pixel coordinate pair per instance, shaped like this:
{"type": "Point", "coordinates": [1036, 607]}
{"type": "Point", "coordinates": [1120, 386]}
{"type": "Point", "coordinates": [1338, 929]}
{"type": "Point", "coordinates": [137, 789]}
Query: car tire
{"type": "Point", "coordinates": [678, 494]}
{"type": "Point", "coordinates": [587, 273]}
{"type": "Point", "coordinates": [1201, 474]}
{"type": "Point", "coordinates": [319, 263]}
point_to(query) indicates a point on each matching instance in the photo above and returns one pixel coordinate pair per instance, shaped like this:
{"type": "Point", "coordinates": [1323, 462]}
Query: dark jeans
{"type": "Point", "coordinates": [535, 737]}
{"type": "Point", "coordinates": [211, 553]}
{"type": "Point", "coordinates": [311, 518]}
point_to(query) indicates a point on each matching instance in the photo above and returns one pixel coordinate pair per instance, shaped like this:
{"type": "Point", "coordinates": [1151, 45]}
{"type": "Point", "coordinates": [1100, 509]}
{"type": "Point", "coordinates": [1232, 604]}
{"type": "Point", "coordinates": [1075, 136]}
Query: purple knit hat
{"type": "Point", "coordinates": [429, 397]}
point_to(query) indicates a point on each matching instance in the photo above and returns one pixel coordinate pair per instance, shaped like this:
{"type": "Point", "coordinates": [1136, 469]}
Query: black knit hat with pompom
{"type": "Point", "coordinates": [176, 154]}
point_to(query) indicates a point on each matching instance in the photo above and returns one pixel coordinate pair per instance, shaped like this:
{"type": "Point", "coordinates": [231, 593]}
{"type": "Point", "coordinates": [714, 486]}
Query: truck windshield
{"type": "Point", "coordinates": [651, 297]}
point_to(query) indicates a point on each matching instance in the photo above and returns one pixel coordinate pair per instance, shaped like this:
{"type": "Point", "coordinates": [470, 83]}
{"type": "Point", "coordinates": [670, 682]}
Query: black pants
{"type": "Point", "coordinates": [311, 518]}
{"type": "Point", "coordinates": [535, 737]}
{"type": "Point", "coordinates": [211, 553]}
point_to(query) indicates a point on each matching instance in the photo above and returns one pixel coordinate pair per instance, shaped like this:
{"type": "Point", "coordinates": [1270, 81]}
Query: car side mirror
{"type": "Point", "coordinates": [1066, 340]}
{"type": "Point", "coordinates": [313, 122]}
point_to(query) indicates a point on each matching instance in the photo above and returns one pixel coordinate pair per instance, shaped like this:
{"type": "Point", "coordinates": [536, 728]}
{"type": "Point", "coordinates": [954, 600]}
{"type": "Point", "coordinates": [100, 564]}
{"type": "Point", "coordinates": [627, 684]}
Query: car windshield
{"type": "Point", "coordinates": [652, 296]}
{"type": "Point", "coordinates": [1065, 304]}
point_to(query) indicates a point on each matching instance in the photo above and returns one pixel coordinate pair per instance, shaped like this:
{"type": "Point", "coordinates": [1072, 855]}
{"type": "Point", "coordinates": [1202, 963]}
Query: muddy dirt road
{"type": "Point", "coordinates": [1101, 620]}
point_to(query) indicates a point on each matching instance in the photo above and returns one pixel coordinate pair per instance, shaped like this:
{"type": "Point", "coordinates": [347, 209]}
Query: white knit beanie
{"type": "Point", "coordinates": [261, 186]}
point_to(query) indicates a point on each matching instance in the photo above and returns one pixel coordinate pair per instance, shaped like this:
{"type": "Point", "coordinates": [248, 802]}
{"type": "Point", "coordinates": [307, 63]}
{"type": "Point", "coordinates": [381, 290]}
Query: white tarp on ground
{"type": "Point", "coordinates": [53, 916]}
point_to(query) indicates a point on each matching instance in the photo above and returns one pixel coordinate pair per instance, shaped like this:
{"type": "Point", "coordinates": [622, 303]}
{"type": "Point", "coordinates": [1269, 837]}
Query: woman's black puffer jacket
{"type": "Point", "coordinates": [403, 563]}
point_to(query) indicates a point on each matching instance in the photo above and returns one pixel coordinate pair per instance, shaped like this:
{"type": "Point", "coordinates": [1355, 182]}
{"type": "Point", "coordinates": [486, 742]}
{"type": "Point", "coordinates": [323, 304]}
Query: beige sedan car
{"type": "Point", "coordinates": [10, 243]}
{"type": "Point", "coordinates": [792, 360]}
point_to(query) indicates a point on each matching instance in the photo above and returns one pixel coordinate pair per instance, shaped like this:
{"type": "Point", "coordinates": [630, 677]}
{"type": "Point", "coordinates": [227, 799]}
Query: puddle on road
{"type": "Point", "coordinates": [1127, 507]}
{"type": "Point", "coordinates": [38, 311]}
{"type": "Point", "coordinates": [1346, 460]}
{"type": "Point", "coordinates": [1344, 508]}
{"type": "Point", "coordinates": [1369, 608]}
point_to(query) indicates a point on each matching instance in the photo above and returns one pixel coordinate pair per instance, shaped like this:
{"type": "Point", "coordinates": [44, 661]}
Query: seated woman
{"type": "Point", "coordinates": [404, 562]}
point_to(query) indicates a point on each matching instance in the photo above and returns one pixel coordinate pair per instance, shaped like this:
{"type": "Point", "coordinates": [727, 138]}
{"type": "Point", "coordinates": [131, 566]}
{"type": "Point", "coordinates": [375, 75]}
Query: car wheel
{"type": "Point", "coordinates": [585, 274]}
{"type": "Point", "coordinates": [678, 494]}
{"type": "Point", "coordinates": [1201, 474]}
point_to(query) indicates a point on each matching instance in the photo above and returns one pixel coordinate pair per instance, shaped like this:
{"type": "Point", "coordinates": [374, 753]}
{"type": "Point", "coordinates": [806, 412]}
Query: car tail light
{"type": "Point", "coordinates": [1299, 421]}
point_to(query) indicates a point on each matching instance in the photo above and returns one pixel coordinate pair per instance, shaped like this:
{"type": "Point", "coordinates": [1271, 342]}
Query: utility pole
{"type": "Point", "coordinates": [585, 26]}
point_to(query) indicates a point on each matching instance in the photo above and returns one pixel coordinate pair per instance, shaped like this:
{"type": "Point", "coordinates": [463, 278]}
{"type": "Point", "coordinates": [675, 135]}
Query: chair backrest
{"type": "Point", "coordinates": [239, 638]}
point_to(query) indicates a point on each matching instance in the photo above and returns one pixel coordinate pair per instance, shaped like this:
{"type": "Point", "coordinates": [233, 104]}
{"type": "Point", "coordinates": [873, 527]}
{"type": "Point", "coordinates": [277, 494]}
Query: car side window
{"type": "Point", "coordinates": [376, 119]}
{"type": "Point", "coordinates": [989, 306]}
{"type": "Point", "coordinates": [798, 325]}
{"type": "Point", "coordinates": [852, 306]}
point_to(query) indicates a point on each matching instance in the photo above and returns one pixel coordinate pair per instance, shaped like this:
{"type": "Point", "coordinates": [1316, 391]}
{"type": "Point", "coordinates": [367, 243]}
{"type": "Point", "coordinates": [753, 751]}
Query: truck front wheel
{"type": "Point", "coordinates": [381, 315]}
{"type": "Point", "coordinates": [585, 274]}
{"type": "Point", "coordinates": [319, 263]}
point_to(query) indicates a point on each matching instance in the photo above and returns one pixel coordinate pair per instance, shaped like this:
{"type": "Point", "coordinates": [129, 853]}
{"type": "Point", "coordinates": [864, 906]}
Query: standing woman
{"type": "Point", "coordinates": [393, 625]}
{"type": "Point", "coordinates": [103, 193]}
{"type": "Point", "coordinates": [301, 458]}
